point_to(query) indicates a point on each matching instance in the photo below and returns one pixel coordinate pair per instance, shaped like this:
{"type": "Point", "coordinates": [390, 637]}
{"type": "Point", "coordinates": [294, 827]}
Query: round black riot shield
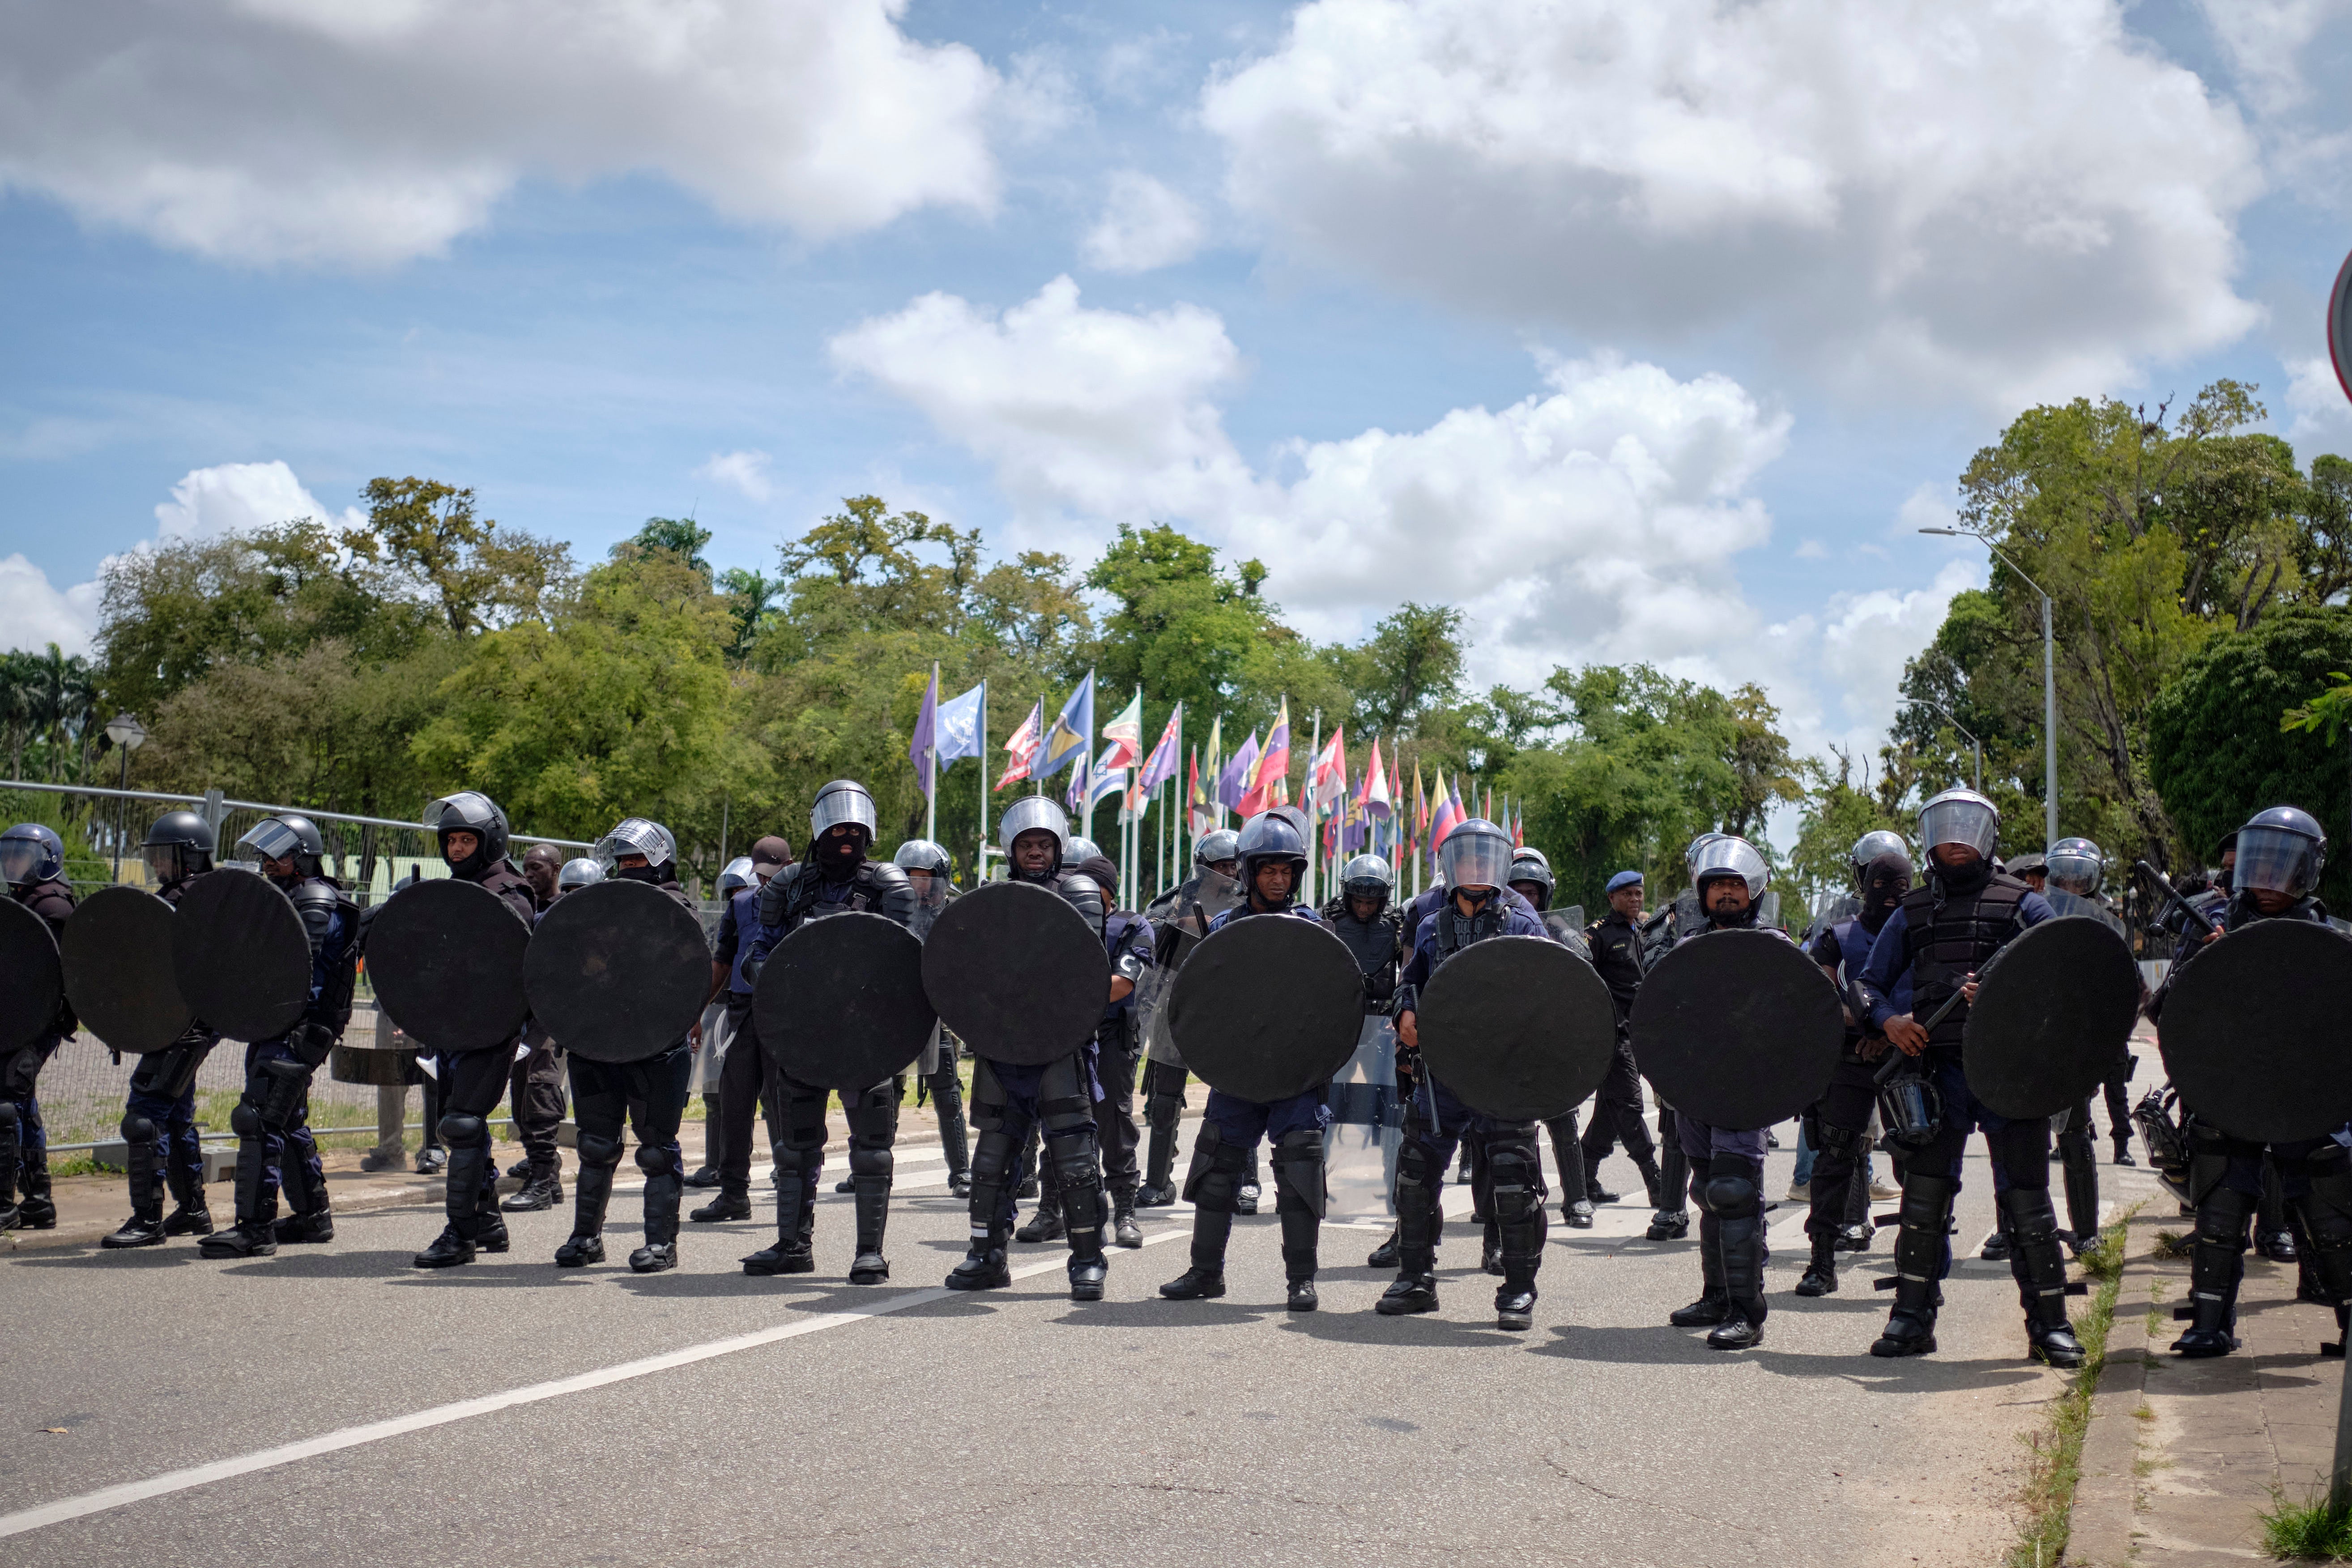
{"type": "Point", "coordinates": [240, 954]}
{"type": "Point", "coordinates": [1737, 1029]}
{"type": "Point", "coordinates": [840, 1001]}
{"type": "Point", "coordinates": [1267, 1007]}
{"type": "Point", "coordinates": [446, 959]}
{"type": "Point", "coordinates": [1517, 1027]}
{"type": "Point", "coordinates": [2253, 1032]}
{"type": "Point", "coordinates": [617, 971]}
{"type": "Point", "coordinates": [117, 956]}
{"type": "Point", "coordinates": [2054, 1012]}
{"type": "Point", "coordinates": [30, 987]}
{"type": "Point", "coordinates": [1017, 973]}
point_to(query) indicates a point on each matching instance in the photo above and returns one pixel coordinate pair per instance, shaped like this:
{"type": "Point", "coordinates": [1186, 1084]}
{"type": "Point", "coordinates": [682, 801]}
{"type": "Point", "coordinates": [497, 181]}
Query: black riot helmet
{"type": "Point", "coordinates": [469, 811]}
{"type": "Point", "coordinates": [2075, 866]}
{"type": "Point", "coordinates": [1270, 838]}
{"type": "Point", "coordinates": [1216, 848]}
{"type": "Point", "coordinates": [2282, 851]}
{"type": "Point", "coordinates": [640, 836]}
{"type": "Point", "coordinates": [31, 852]}
{"type": "Point", "coordinates": [178, 846]}
{"type": "Point", "coordinates": [1883, 882]}
{"type": "Point", "coordinates": [1368, 877]}
{"type": "Point", "coordinates": [844, 802]}
{"type": "Point", "coordinates": [1529, 870]}
{"type": "Point", "coordinates": [1868, 848]}
{"type": "Point", "coordinates": [289, 834]}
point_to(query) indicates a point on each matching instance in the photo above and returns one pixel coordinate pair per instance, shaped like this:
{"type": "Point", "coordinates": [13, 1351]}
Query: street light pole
{"type": "Point", "coordinates": [2049, 684]}
{"type": "Point", "coordinates": [127, 734]}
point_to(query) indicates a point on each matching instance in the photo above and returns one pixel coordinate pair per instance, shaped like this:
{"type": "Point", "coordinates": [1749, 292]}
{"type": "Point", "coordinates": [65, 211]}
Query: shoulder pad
{"type": "Point", "coordinates": [1084, 894]}
{"type": "Point", "coordinates": [776, 896]}
{"type": "Point", "coordinates": [892, 889]}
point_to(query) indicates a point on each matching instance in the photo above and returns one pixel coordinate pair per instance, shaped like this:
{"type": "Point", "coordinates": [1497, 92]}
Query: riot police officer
{"type": "Point", "coordinates": [33, 863]}
{"type": "Point", "coordinates": [2073, 871]}
{"type": "Point", "coordinates": [745, 1075]}
{"type": "Point", "coordinates": [1179, 918]}
{"type": "Point", "coordinates": [1615, 943]}
{"type": "Point", "coordinates": [535, 1083]}
{"type": "Point", "coordinates": [472, 833]}
{"type": "Point", "coordinates": [1531, 879]}
{"type": "Point", "coordinates": [833, 877]}
{"type": "Point", "coordinates": [159, 1116]}
{"type": "Point", "coordinates": [1273, 855]}
{"type": "Point", "coordinates": [1474, 861]}
{"type": "Point", "coordinates": [1726, 1164]}
{"type": "Point", "coordinates": [1941, 935]}
{"type": "Point", "coordinates": [2280, 855]}
{"type": "Point", "coordinates": [1838, 1124]}
{"type": "Point", "coordinates": [272, 1120]}
{"type": "Point", "coordinates": [1007, 1099]}
{"type": "Point", "coordinates": [931, 874]}
{"type": "Point", "coordinates": [650, 1092]}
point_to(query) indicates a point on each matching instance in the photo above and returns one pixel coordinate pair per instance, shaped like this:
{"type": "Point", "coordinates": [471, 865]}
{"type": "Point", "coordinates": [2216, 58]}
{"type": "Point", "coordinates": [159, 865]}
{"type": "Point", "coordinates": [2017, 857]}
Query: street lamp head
{"type": "Point", "coordinates": [126, 732]}
{"type": "Point", "coordinates": [1946, 533]}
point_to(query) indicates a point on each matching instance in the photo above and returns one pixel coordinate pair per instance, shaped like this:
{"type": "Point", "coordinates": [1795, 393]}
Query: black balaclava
{"type": "Point", "coordinates": [838, 855]}
{"type": "Point", "coordinates": [649, 873]}
{"type": "Point", "coordinates": [1966, 881]}
{"type": "Point", "coordinates": [1883, 882]}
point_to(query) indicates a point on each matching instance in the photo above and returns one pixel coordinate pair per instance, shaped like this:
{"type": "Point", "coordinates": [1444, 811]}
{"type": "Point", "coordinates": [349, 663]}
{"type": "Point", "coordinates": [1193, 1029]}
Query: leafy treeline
{"type": "Point", "coordinates": [2194, 573]}
{"type": "Point", "coordinates": [428, 648]}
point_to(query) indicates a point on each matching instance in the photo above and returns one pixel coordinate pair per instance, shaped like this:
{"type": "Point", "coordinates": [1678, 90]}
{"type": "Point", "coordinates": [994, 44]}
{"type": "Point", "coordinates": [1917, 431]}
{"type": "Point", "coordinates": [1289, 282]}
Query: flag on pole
{"type": "Point", "coordinates": [1108, 780]}
{"type": "Point", "coordinates": [1196, 798]}
{"type": "Point", "coordinates": [1372, 800]}
{"type": "Point", "coordinates": [1072, 738]}
{"type": "Point", "coordinates": [1269, 784]}
{"type": "Point", "coordinates": [959, 726]}
{"type": "Point", "coordinates": [1445, 814]}
{"type": "Point", "coordinates": [1160, 766]}
{"type": "Point", "coordinates": [1326, 776]}
{"type": "Point", "coordinates": [1233, 780]}
{"type": "Point", "coordinates": [923, 751]}
{"type": "Point", "coordinates": [1024, 746]}
{"type": "Point", "coordinates": [1126, 735]}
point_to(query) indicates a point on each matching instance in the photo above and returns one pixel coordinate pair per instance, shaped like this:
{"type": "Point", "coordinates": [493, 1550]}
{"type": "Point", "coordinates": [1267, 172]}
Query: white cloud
{"type": "Point", "coordinates": [744, 472]}
{"type": "Point", "coordinates": [2005, 201]}
{"type": "Point", "coordinates": [1812, 549]}
{"type": "Point", "coordinates": [321, 132]}
{"type": "Point", "coordinates": [1144, 225]}
{"type": "Point", "coordinates": [228, 497]}
{"type": "Point", "coordinates": [1597, 518]}
{"type": "Point", "coordinates": [1930, 505]}
{"type": "Point", "coordinates": [32, 613]}
{"type": "Point", "coordinates": [2322, 408]}
{"type": "Point", "coordinates": [2265, 41]}
{"type": "Point", "coordinates": [235, 497]}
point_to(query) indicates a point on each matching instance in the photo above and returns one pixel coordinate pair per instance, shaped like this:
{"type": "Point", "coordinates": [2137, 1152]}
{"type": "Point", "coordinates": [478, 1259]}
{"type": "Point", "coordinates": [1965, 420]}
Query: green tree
{"type": "Point", "coordinates": [680, 536]}
{"type": "Point", "coordinates": [478, 573]}
{"type": "Point", "coordinates": [2218, 748]}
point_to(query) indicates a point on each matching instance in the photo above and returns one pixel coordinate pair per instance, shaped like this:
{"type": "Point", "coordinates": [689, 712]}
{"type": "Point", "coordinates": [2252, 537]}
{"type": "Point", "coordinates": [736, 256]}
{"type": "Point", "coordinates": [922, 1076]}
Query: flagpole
{"type": "Point", "coordinates": [980, 848]}
{"type": "Point", "coordinates": [1314, 802]}
{"type": "Point", "coordinates": [932, 768]}
{"type": "Point", "coordinates": [1036, 784]}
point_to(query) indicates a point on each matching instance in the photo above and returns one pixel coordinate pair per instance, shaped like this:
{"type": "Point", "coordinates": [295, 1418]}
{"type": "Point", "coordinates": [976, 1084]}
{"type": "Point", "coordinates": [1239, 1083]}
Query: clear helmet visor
{"type": "Point", "coordinates": [468, 810]}
{"type": "Point", "coordinates": [1734, 857]}
{"type": "Point", "coordinates": [2075, 866]}
{"type": "Point", "coordinates": [2277, 861]}
{"type": "Point", "coordinates": [269, 839]}
{"type": "Point", "coordinates": [1960, 820]}
{"type": "Point", "coordinates": [1367, 876]}
{"type": "Point", "coordinates": [843, 803]}
{"type": "Point", "coordinates": [1476, 855]}
{"type": "Point", "coordinates": [20, 857]}
{"type": "Point", "coordinates": [1033, 813]}
{"type": "Point", "coordinates": [635, 835]}
{"type": "Point", "coordinates": [736, 877]}
{"type": "Point", "coordinates": [581, 873]}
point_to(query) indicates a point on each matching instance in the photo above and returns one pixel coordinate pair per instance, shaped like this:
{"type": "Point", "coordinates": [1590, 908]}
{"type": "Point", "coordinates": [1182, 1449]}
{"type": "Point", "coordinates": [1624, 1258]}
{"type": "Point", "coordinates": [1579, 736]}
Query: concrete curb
{"type": "Point", "coordinates": [2106, 1497]}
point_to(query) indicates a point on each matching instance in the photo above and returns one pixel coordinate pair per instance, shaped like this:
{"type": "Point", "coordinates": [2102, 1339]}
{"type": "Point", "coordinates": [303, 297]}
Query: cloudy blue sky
{"type": "Point", "coordinates": [1644, 330]}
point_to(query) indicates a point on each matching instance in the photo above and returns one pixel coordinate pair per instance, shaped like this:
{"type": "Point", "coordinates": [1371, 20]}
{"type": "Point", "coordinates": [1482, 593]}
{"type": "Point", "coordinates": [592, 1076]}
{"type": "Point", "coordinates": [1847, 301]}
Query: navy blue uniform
{"type": "Point", "coordinates": [23, 1138]}
{"type": "Point", "coordinates": [290, 1154]}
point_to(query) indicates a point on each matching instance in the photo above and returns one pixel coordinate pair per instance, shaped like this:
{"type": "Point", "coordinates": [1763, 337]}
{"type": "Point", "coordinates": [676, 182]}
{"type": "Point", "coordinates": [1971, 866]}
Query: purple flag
{"type": "Point", "coordinates": [924, 751]}
{"type": "Point", "coordinates": [1234, 776]}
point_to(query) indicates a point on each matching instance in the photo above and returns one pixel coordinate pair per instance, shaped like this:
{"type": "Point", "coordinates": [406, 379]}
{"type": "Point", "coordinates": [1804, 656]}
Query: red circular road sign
{"type": "Point", "coordinates": [2339, 326]}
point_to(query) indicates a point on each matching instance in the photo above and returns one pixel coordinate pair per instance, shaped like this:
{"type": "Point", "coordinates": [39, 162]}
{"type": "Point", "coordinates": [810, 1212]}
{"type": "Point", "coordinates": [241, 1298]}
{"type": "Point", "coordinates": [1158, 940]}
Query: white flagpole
{"type": "Point", "coordinates": [932, 765]}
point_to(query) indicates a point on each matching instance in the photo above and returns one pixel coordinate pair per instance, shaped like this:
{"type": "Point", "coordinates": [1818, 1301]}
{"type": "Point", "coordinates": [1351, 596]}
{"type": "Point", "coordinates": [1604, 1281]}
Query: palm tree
{"type": "Point", "coordinates": [16, 705]}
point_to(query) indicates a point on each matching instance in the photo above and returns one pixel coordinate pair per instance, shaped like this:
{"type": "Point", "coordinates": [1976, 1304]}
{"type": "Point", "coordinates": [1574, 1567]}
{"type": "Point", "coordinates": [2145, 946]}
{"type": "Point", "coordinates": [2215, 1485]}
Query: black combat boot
{"type": "Point", "coordinates": [138, 1230]}
{"type": "Point", "coordinates": [1734, 1194]}
{"type": "Point", "coordinates": [447, 1251]}
{"type": "Point", "coordinates": [1998, 1246]}
{"type": "Point", "coordinates": [2216, 1264]}
{"type": "Point", "coordinates": [1414, 1288]}
{"type": "Point", "coordinates": [1821, 1278]}
{"type": "Point", "coordinates": [1384, 1256]}
{"type": "Point", "coordinates": [242, 1239]}
{"type": "Point", "coordinates": [1206, 1276]}
{"type": "Point", "coordinates": [732, 1202]}
{"type": "Point", "coordinates": [664, 1193]}
{"type": "Point", "coordinates": [592, 1191]}
{"type": "Point", "coordinates": [1713, 1305]}
{"type": "Point", "coordinates": [983, 1267]}
{"type": "Point", "coordinates": [310, 1219]}
{"type": "Point", "coordinates": [871, 1205]}
{"type": "Point", "coordinates": [1046, 1224]}
{"type": "Point", "coordinates": [1123, 1228]}
{"type": "Point", "coordinates": [1919, 1244]}
{"type": "Point", "coordinates": [542, 1188]}
{"type": "Point", "coordinates": [2040, 1273]}
{"type": "Point", "coordinates": [190, 1215]}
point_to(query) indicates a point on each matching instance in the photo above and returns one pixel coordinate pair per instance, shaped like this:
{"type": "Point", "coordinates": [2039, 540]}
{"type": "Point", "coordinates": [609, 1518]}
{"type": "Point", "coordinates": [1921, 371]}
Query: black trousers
{"type": "Point", "coordinates": [1115, 1127]}
{"type": "Point", "coordinates": [471, 1083]}
{"type": "Point", "coordinates": [1617, 1114]}
{"type": "Point", "coordinates": [535, 1094]}
{"type": "Point", "coordinates": [1835, 1125]}
{"type": "Point", "coordinates": [747, 1079]}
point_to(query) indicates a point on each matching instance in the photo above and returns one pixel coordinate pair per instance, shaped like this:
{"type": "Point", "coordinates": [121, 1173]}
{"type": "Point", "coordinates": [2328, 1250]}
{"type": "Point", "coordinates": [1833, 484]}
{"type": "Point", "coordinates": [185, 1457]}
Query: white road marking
{"type": "Point", "coordinates": [172, 1481]}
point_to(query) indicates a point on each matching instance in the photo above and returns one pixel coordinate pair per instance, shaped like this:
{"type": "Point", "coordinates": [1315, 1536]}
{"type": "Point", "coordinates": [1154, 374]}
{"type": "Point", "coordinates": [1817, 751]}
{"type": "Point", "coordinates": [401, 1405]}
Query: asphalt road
{"type": "Point", "coordinates": [807, 1420]}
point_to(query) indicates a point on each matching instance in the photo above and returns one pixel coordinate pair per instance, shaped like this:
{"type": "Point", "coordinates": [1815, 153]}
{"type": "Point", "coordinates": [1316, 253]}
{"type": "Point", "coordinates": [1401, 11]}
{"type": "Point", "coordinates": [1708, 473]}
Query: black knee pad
{"type": "Point", "coordinates": [794, 1164]}
{"type": "Point", "coordinates": [1213, 1184]}
{"type": "Point", "coordinates": [1518, 1183]}
{"type": "Point", "coordinates": [1699, 1168]}
{"type": "Point", "coordinates": [460, 1129]}
{"type": "Point", "coordinates": [1299, 1173]}
{"type": "Point", "coordinates": [136, 1129]}
{"type": "Point", "coordinates": [654, 1160]}
{"type": "Point", "coordinates": [871, 1162]}
{"type": "Point", "coordinates": [599, 1151]}
{"type": "Point", "coordinates": [1732, 1189]}
{"type": "Point", "coordinates": [245, 1120]}
{"type": "Point", "coordinates": [984, 1109]}
{"type": "Point", "coordinates": [991, 1154]}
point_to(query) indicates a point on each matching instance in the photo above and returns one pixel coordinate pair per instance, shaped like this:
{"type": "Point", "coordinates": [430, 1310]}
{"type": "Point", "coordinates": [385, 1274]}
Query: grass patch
{"type": "Point", "coordinates": [2056, 1466]}
{"type": "Point", "coordinates": [2314, 1530]}
{"type": "Point", "coordinates": [2174, 1243]}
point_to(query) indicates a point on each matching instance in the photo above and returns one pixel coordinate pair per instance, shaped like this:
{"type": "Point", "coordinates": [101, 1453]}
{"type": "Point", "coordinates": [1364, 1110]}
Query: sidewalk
{"type": "Point", "coordinates": [2181, 1454]}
